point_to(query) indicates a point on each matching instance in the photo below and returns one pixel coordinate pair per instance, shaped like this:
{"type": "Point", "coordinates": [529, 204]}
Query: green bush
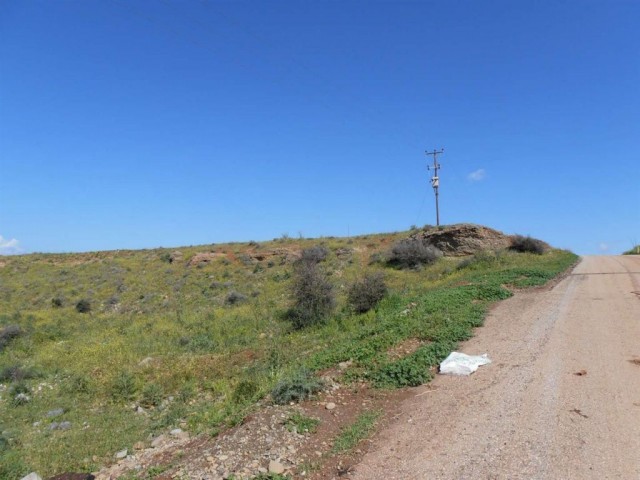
{"type": "Point", "coordinates": [365, 294]}
{"type": "Point", "coordinates": [124, 387]}
{"type": "Point", "coordinates": [411, 253]}
{"type": "Point", "coordinates": [634, 251]}
{"type": "Point", "coordinates": [300, 386]}
{"type": "Point", "coordinates": [527, 244]}
{"type": "Point", "coordinates": [313, 295]}
{"type": "Point", "coordinates": [83, 306]}
{"type": "Point", "coordinates": [245, 392]}
{"type": "Point", "coordinates": [152, 395]}
{"type": "Point", "coordinates": [79, 384]}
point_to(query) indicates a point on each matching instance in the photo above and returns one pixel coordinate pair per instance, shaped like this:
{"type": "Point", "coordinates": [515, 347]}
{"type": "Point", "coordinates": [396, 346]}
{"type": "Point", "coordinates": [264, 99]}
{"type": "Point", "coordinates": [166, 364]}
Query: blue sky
{"type": "Point", "coordinates": [135, 124]}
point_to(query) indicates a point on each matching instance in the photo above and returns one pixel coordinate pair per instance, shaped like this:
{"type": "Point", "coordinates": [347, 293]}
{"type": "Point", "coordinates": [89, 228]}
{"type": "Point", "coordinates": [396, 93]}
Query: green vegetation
{"type": "Point", "coordinates": [166, 332]}
{"type": "Point", "coordinates": [300, 423]}
{"type": "Point", "coordinates": [302, 385]}
{"type": "Point", "coordinates": [350, 436]}
{"type": "Point", "coordinates": [313, 293]}
{"type": "Point", "coordinates": [634, 251]}
{"type": "Point", "coordinates": [365, 294]}
{"type": "Point", "coordinates": [412, 253]}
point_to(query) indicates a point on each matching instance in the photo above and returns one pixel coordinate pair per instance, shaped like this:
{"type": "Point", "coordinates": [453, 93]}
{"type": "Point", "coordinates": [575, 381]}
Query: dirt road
{"type": "Point", "coordinates": [561, 399]}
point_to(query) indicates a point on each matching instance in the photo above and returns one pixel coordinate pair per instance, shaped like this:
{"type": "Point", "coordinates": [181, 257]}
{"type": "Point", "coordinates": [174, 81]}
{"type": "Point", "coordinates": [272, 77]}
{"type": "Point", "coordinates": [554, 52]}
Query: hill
{"type": "Point", "coordinates": [101, 351]}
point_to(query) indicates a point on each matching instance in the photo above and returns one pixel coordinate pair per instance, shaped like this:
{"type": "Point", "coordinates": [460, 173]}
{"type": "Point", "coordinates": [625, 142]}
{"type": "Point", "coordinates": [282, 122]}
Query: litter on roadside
{"type": "Point", "coordinates": [462, 364]}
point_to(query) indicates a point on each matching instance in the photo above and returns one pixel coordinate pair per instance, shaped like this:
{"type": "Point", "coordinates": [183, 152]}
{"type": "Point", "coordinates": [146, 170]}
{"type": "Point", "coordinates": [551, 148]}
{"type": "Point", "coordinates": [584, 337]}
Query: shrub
{"type": "Point", "coordinates": [527, 244]}
{"type": "Point", "coordinates": [245, 391]}
{"type": "Point", "coordinates": [634, 251]}
{"type": "Point", "coordinates": [124, 387]}
{"type": "Point", "coordinates": [83, 306]}
{"type": "Point", "coordinates": [152, 395]}
{"type": "Point", "coordinates": [166, 257]}
{"type": "Point", "coordinates": [18, 388]}
{"type": "Point", "coordinates": [16, 373]}
{"type": "Point", "coordinates": [79, 384]}
{"type": "Point", "coordinates": [187, 392]}
{"type": "Point", "coordinates": [9, 333]}
{"type": "Point", "coordinates": [313, 295]}
{"type": "Point", "coordinates": [234, 298]}
{"type": "Point", "coordinates": [57, 302]}
{"type": "Point", "coordinates": [314, 254]}
{"type": "Point", "coordinates": [365, 294]}
{"type": "Point", "coordinates": [298, 387]}
{"type": "Point", "coordinates": [412, 252]}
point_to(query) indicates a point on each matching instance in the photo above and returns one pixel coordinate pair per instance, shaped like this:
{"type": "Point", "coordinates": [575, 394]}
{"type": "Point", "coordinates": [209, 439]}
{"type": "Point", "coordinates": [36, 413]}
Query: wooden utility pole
{"type": "Point", "coordinates": [435, 180]}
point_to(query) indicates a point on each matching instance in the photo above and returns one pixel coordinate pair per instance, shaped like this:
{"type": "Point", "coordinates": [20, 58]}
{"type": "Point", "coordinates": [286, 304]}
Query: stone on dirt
{"type": "Point", "coordinates": [276, 467]}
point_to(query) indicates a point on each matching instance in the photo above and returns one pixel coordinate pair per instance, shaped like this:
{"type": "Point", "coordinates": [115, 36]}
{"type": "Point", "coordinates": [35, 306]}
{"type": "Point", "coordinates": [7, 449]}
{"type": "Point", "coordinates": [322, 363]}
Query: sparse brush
{"type": "Point", "coordinates": [527, 244]}
{"type": "Point", "coordinates": [124, 387]}
{"type": "Point", "coordinates": [411, 253]}
{"type": "Point", "coordinates": [152, 395]}
{"type": "Point", "coordinates": [365, 294]}
{"type": "Point", "coordinates": [245, 392]}
{"type": "Point", "coordinates": [301, 423]}
{"type": "Point", "coordinates": [83, 306]}
{"type": "Point", "coordinates": [484, 257]}
{"type": "Point", "coordinates": [315, 254]}
{"type": "Point", "coordinates": [313, 295]}
{"type": "Point", "coordinates": [300, 386]}
{"type": "Point", "coordinates": [16, 373]}
{"type": "Point", "coordinates": [8, 334]}
{"type": "Point", "coordinates": [234, 298]}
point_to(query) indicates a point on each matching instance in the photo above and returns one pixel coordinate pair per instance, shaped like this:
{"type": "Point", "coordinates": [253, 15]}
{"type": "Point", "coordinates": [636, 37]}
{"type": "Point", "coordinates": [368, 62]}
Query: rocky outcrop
{"type": "Point", "coordinates": [464, 239]}
{"type": "Point", "coordinates": [286, 255]}
{"type": "Point", "coordinates": [204, 258]}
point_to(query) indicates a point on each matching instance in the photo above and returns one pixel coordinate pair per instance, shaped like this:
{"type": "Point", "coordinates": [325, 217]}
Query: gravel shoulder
{"type": "Point", "coordinates": [561, 399]}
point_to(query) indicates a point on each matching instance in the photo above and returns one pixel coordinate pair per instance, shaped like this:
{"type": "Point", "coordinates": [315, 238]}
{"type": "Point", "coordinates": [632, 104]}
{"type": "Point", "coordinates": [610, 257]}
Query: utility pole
{"type": "Point", "coordinates": [435, 181]}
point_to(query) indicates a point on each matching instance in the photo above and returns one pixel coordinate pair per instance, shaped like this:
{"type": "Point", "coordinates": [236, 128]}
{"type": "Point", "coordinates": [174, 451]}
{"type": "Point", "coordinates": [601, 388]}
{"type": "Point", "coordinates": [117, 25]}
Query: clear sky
{"type": "Point", "coordinates": [146, 123]}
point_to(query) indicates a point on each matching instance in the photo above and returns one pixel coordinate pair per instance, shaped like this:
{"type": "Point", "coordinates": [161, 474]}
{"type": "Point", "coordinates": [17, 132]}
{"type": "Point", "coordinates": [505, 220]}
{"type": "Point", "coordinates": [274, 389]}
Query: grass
{"type": "Point", "coordinates": [360, 429]}
{"type": "Point", "coordinates": [300, 423]}
{"type": "Point", "coordinates": [162, 335]}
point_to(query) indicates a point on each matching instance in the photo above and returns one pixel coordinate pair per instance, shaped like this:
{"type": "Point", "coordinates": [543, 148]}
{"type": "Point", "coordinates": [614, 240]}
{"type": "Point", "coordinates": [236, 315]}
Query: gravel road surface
{"type": "Point", "coordinates": [561, 399]}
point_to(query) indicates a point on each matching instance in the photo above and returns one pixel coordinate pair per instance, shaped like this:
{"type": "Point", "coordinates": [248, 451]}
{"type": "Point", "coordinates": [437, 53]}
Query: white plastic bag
{"type": "Point", "coordinates": [461, 364]}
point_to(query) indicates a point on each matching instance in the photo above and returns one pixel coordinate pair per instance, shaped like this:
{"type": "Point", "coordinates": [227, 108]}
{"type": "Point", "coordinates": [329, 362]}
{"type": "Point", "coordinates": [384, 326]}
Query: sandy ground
{"type": "Point", "coordinates": [561, 399]}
